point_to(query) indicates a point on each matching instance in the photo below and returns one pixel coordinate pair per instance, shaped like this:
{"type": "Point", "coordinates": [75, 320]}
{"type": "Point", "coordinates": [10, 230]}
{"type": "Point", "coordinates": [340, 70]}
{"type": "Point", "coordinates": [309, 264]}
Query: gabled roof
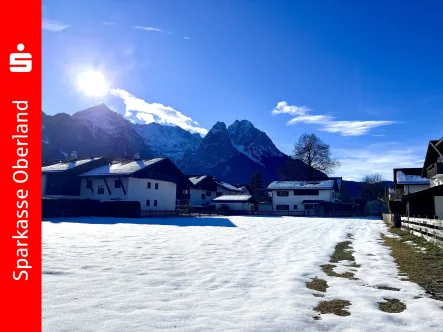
{"type": "Point", "coordinates": [402, 177]}
{"type": "Point", "coordinates": [227, 186]}
{"type": "Point", "coordinates": [289, 185]}
{"type": "Point", "coordinates": [338, 180]}
{"type": "Point", "coordinates": [197, 178]}
{"type": "Point", "coordinates": [233, 199]}
{"type": "Point", "coordinates": [64, 166]}
{"type": "Point", "coordinates": [434, 152]}
{"type": "Point", "coordinates": [121, 168]}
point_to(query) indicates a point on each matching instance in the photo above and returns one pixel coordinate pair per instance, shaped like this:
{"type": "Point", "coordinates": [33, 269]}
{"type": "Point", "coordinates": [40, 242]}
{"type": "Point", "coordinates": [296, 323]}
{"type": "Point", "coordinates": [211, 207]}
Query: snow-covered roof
{"type": "Point", "coordinates": [324, 184]}
{"type": "Point", "coordinates": [232, 198]}
{"type": "Point", "coordinates": [197, 179]}
{"type": "Point", "coordinates": [121, 168]}
{"type": "Point", "coordinates": [228, 186]}
{"type": "Point", "coordinates": [402, 178]}
{"type": "Point", "coordinates": [60, 167]}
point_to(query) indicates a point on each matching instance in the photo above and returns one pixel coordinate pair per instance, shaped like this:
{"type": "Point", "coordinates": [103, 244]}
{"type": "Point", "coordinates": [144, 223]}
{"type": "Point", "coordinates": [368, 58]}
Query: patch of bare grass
{"type": "Point", "coordinates": [392, 306]}
{"type": "Point", "coordinates": [317, 284]}
{"type": "Point", "coordinates": [329, 270]}
{"type": "Point", "coordinates": [422, 267]}
{"type": "Point", "coordinates": [388, 288]}
{"type": "Point", "coordinates": [342, 252]}
{"type": "Point", "coordinates": [336, 307]}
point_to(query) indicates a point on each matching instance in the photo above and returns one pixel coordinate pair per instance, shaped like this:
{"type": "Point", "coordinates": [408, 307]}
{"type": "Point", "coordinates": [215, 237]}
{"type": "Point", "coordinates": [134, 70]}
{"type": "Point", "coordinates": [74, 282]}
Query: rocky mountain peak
{"type": "Point", "coordinates": [231, 153]}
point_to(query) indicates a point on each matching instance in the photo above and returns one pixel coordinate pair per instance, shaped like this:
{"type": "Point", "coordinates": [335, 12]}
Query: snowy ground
{"type": "Point", "coordinates": [220, 274]}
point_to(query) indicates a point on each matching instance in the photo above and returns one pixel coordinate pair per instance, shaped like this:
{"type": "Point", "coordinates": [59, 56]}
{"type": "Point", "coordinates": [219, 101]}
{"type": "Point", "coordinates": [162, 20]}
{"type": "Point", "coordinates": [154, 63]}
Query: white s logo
{"type": "Point", "coordinates": [17, 62]}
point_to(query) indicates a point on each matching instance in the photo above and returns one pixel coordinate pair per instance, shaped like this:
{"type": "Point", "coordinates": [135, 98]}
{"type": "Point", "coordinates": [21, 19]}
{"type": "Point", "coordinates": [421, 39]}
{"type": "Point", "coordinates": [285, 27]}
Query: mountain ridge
{"type": "Point", "coordinates": [232, 153]}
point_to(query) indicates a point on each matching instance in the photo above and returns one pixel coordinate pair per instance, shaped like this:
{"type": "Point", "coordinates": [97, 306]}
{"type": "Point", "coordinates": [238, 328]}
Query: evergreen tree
{"type": "Point", "coordinates": [256, 185]}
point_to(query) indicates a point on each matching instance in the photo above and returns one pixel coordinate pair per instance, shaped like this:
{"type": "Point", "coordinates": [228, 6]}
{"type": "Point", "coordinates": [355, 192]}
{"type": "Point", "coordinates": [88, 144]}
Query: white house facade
{"type": "Point", "coordinates": [234, 202]}
{"type": "Point", "coordinates": [150, 182]}
{"type": "Point", "coordinates": [205, 188]}
{"type": "Point", "coordinates": [301, 195]}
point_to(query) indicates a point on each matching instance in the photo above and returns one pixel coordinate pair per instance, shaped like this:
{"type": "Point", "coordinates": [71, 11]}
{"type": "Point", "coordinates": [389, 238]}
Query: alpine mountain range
{"type": "Point", "coordinates": [230, 153]}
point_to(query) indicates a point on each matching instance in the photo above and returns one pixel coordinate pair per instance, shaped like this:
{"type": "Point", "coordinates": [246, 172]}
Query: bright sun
{"type": "Point", "coordinates": [93, 83]}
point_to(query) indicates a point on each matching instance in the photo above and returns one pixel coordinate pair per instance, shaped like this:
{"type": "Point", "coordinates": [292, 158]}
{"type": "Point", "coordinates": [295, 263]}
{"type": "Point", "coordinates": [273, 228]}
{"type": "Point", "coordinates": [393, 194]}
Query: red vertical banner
{"type": "Point", "coordinates": [20, 100]}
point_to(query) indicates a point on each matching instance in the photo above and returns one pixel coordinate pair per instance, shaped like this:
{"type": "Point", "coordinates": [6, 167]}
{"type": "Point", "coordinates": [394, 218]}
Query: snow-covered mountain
{"type": "Point", "coordinates": [235, 153]}
{"type": "Point", "coordinates": [231, 153]}
{"type": "Point", "coordinates": [112, 123]}
{"type": "Point", "coordinates": [173, 142]}
{"type": "Point", "coordinates": [252, 142]}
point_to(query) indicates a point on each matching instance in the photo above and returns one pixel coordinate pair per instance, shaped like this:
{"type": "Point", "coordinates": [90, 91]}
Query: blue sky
{"type": "Point", "coordinates": [365, 76]}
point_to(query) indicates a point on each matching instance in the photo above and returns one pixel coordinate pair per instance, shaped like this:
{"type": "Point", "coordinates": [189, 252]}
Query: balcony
{"type": "Point", "coordinates": [435, 170]}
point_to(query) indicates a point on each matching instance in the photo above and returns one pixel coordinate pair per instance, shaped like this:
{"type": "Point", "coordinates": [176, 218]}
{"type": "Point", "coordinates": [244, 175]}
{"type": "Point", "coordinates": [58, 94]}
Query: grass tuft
{"type": "Point", "coordinates": [393, 306]}
{"type": "Point", "coordinates": [329, 270]}
{"type": "Point", "coordinates": [317, 284]}
{"type": "Point", "coordinates": [388, 288]}
{"type": "Point", "coordinates": [342, 252]}
{"type": "Point", "coordinates": [336, 307]}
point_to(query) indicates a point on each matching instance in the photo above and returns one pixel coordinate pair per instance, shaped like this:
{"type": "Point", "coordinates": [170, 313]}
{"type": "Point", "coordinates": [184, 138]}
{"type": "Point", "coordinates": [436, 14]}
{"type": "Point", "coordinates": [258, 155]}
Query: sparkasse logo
{"type": "Point", "coordinates": [18, 62]}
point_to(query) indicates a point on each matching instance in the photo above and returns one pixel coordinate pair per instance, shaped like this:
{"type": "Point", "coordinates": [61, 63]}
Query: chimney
{"type": "Point", "coordinates": [136, 156]}
{"type": "Point", "coordinates": [74, 155]}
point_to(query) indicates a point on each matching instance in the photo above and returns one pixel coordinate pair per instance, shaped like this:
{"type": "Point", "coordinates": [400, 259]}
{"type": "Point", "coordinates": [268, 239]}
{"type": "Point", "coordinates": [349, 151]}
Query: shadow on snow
{"type": "Point", "coordinates": [182, 222]}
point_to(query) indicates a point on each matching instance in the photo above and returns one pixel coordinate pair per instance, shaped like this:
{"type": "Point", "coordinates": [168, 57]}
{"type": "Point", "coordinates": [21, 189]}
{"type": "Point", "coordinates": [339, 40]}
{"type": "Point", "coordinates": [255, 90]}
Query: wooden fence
{"type": "Point", "coordinates": [430, 229]}
{"type": "Point", "coordinates": [211, 213]}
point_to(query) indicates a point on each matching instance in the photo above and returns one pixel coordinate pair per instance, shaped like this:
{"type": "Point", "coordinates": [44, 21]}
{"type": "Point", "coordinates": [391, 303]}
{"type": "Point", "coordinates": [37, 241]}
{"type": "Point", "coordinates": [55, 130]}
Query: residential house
{"type": "Point", "coordinates": [409, 180]}
{"type": "Point", "coordinates": [62, 179]}
{"type": "Point", "coordinates": [295, 196]}
{"type": "Point", "coordinates": [205, 188]}
{"type": "Point", "coordinates": [155, 183]}
{"type": "Point", "coordinates": [238, 202]}
{"type": "Point", "coordinates": [429, 202]}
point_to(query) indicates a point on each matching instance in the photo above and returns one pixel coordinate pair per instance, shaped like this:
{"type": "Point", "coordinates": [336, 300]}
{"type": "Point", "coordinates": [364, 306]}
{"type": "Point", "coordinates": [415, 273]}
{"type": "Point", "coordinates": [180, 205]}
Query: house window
{"type": "Point", "coordinates": [148, 202]}
{"type": "Point", "coordinates": [185, 191]}
{"type": "Point", "coordinates": [306, 192]}
{"type": "Point", "coordinates": [309, 206]}
{"type": "Point", "coordinates": [283, 207]}
{"type": "Point", "coordinates": [117, 184]}
{"type": "Point", "coordinates": [155, 202]}
{"type": "Point", "coordinates": [101, 190]}
{"type": "Point", "coordinates": [88, 184]}
{"type": "Point", "coordinates": [218, 194]}
{"type": "Point", "coordinates": [282, 193]}
{"type": "Point", "coordinates": [208, 193]}
{"type": "Point", "coordinates": [295, 207]}
{"type": "Point", "coordinates": [149, 185]}
{"type": "Point", "coordinates": [156, 186]}
{"type": "Point", "coordinates": [203, 196]}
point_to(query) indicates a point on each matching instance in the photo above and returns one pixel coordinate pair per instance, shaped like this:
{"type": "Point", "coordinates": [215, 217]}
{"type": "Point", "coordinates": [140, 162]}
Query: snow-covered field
{"type": "Point", "coordinates": [220, 274]}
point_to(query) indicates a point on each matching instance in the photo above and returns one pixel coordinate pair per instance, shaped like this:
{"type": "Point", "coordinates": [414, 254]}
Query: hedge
{"type": "Point", "coordinates": [60, 207]}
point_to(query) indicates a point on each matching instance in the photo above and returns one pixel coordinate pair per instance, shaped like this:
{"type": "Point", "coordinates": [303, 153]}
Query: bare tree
{"type": "Point", "coordinates": [373, 189]}
{"type": "Point", "coordinates": [315, 153]}
{"type": "Point", "coordinates": [373, 178]}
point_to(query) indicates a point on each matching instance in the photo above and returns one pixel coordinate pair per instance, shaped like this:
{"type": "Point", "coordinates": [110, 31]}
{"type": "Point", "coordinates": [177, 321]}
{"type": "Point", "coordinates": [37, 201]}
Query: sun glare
{"type": "Point", "coordinates": [92, 83]}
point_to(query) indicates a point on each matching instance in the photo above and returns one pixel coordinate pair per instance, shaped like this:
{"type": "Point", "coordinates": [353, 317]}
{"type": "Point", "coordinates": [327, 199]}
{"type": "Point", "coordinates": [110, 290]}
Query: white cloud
{"type": "Point", "coordinates": [310, 119]}
{"type": "Point", "coordinates": [154, 112]}
{"type": "Point", "coordinates": [108, 23]}
{"type": "Point", "coordinates": [301, 114]}
{"type": "Point", "coordinates": [376, 158]}
{"type": "Point", "coordinates": [187, 38]}
{"type": "Point", "coordinates": [353, 128]}
{"type": "Point", "coordinates": [52, 25]}
{"type": "Point", "coordinates": [139, 27]}
{"type": "Point", "coordinates": [283, 108]}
